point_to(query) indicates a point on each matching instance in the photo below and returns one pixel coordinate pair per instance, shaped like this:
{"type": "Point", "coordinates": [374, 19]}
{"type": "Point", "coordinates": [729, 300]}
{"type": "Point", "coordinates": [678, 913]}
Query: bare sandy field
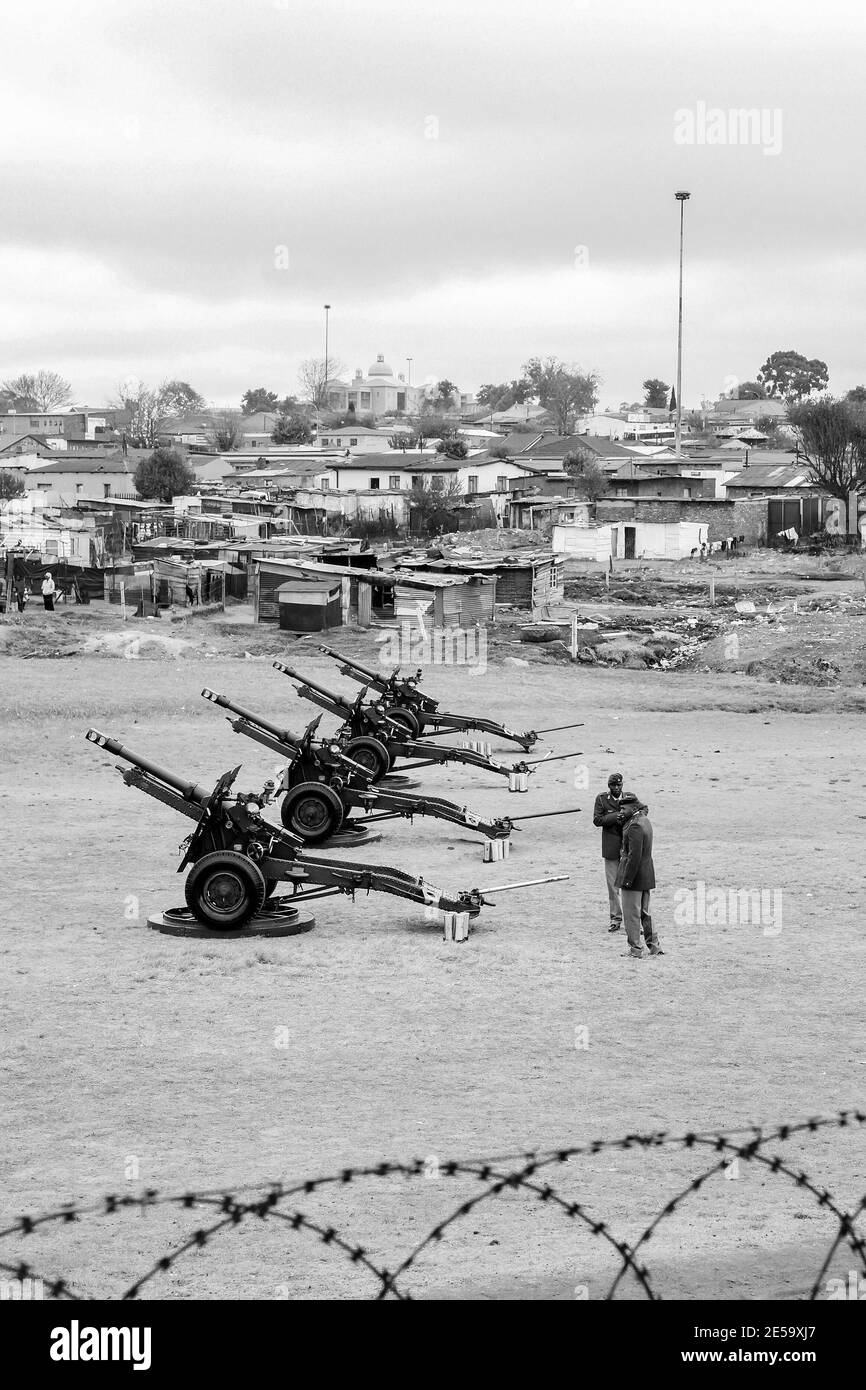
{"type": "Point", "coordinates": [136, 1060]}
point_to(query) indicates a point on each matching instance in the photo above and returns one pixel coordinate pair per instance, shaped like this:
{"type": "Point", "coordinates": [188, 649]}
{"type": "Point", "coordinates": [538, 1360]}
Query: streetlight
{"type": "Point", "coordinates": [409, 364]}
{"type": "Point", "coordinates": [325, 384]}
{"type": "Point", "coordinates": [682, 199]}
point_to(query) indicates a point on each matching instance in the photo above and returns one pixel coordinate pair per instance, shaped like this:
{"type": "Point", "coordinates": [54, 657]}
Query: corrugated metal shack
{"type": "Point", "coordinates": [355, 569]}
{"type": "Point", "coordinates": [524, 580]}
{"type": "Point", "coordinates": [452, 600]}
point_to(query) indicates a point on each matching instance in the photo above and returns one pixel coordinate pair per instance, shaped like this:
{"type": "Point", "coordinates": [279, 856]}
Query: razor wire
{"type": "Point", "coordinates": [514, 1172]}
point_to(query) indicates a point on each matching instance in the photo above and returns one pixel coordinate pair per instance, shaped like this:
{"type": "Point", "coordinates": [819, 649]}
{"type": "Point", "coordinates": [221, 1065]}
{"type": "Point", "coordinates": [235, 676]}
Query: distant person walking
{"type": "Point", "coordinates": [606, 816]}
{"type": "Point", "coordinates": [19, 584]}
{"type": "Point", "coordinates": [48, 591]}
{"type": "Point", "coordinates": [636, 878]}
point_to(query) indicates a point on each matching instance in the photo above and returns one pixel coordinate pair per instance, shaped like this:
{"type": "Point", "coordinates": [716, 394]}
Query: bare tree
{"type": "Point", "coordinates": [42, 390]}
{"type": "Point", "coordinates": [143, 409]}
{"type": "Point", "coordinates": [225, 429]}
{"type": "Point", "coordinates": [832, 440]}
{"type": "Point", "coordinates": [311, 376]}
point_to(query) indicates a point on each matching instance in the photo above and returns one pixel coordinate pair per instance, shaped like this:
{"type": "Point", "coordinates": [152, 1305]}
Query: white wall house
{"type": "Point", "coordinates": [489, 475]}
{"type": "Point", "coordinates": [81, 476]}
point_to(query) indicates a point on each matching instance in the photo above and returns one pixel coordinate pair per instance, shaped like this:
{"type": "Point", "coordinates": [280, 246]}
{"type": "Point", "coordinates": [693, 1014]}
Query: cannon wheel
{"type": "Point", "coordinates": [225, 890]}
{"type": "Point", "coordinates": [370, 753]}
{"type": "Point", "coordinates": [312, 811]}
{"type": "Point", "coordinates": [407, 719]}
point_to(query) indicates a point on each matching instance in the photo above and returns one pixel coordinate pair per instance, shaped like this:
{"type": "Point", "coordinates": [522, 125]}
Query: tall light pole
{"type": "Point", "coordinates": [682, 199]}
{"type": "Point", "coordinates": [409, 364]}
{"type": "Point", "coordinates": [325, 384]}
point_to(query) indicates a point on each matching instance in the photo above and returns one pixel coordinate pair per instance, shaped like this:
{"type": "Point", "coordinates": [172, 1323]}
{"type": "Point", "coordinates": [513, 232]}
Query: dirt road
{"type": "Point", "coordinates": [137, 1060]}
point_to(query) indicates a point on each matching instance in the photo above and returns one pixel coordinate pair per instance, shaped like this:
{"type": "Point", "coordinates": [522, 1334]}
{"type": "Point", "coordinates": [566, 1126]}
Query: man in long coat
{"type": "Point", "coordinates": [636, 877]}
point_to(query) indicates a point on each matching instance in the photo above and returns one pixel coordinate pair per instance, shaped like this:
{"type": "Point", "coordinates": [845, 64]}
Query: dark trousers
{"type": "Point", "coordinates": [48, 600]}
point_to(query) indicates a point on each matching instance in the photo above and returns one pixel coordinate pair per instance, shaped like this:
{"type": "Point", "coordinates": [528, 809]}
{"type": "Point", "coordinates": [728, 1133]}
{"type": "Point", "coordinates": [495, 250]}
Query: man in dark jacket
{"type": "Point", "coordinates": [636, 877]}
{"type": "Point", "coordinates": [606, 815]}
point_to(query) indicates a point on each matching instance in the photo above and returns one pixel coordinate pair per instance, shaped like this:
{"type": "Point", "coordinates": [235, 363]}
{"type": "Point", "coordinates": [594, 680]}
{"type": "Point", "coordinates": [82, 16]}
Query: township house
{"type": "Point", "coordinates": [77, 476]}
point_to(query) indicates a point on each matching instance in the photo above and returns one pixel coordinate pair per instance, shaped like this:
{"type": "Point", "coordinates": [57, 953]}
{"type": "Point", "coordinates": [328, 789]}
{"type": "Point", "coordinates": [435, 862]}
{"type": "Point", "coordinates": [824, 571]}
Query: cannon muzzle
{"type": "Point", "coordinates": [349, 661]}
{"type": "Point", "coordinates": [304, 680]}
{"type": "Point", "coordinates": [281, 735]}
{"type": "Point", "coordinates": [190, 791]}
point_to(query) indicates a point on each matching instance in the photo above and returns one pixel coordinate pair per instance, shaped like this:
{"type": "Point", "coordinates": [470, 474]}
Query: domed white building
{"type": "Point", "coordinates": [378, 392]}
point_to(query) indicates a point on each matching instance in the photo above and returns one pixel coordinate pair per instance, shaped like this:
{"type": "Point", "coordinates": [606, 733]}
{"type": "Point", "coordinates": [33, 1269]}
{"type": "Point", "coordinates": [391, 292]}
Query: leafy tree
{"type": "Point", "coordinates": [256, 399]}
{"type": "Point", "coordinates": [291, 429]}
{"type": "Point", "coordinates": [790, 376]}
{"type": "Point", "coordinates": [655, 393]}
{"type": "Point", "coordinates": [423, 427]}
{"type": "Point", "coordinates": [769, 425]}
{"type": "Point", "coordinates": [500, 451]}
{"type": "Point", "coordinates": [163, 475]}
{"type": "Point", "coordinates": [444, 393]}
{"type": "Point", "coordinates": [10, 485]}
{"type": "Point", "coordinates": [453, 448]}
{"type": "Point", "coordinates": [40, 390]}
{"type": "Point", "coordinates": [750, 391]}
{"type": "Point", "coordinates": [584, 468]}
{"type": "Point", "coordinates": [179, 398]}
{"type": "Point", "coordinates": [504, 395]}
{"type": "Point", "coordinates": [832, 439]}
{"type": "Point", "coordinates": [857, 395]}
{"type": "Point", "coordinates": [564, 390]}
{"type": "Point", "coordinates": [672, 403]}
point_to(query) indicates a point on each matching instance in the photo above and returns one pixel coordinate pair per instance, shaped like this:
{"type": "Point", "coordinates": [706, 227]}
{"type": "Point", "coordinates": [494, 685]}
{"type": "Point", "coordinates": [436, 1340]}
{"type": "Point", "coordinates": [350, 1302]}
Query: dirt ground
{"type": "Point", "coordinates": [135, 1060]}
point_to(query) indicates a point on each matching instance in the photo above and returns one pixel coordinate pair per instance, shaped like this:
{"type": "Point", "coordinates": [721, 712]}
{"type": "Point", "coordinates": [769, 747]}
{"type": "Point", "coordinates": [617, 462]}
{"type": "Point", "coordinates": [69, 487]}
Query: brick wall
{"type": "Point", "coordinates": [746, 517]}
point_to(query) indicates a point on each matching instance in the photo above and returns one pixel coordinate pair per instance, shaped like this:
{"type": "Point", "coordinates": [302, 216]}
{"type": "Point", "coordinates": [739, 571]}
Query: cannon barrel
{"type": "Point", "coordinates": [350, 661]}
{"type": "Point", "coordinates": [305, 680]}
{"type": "Point", "coordinates": [190, 791]}
{"type": "Point", "coordinates": [282, 735]}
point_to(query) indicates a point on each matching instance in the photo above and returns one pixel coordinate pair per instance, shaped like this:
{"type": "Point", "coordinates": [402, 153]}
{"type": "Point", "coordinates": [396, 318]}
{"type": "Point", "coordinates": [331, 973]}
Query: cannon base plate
{"type": "Point", "coordinates": [278, 917]}
{"type": "Point", "coordinates": [351, 838]}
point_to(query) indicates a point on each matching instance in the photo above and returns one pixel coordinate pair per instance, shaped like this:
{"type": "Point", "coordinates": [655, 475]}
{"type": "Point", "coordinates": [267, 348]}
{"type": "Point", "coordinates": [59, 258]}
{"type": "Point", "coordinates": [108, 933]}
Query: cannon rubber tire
{"type": "Point", "coordinates": [407, 719]}
{"type": "Point", "coordinates": [243, 880]}
{"type": "Point", "coordinates": [312, 811]}
{"type": "Point", "coordinates": [370, 753]}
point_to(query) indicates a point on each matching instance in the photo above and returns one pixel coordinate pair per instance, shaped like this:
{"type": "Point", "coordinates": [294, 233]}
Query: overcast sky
{"type": "Point", "coordinates": [468, 184]}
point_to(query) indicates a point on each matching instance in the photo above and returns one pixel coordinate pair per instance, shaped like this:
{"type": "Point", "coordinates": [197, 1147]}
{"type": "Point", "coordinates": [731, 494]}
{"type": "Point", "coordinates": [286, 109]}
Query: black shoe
{"type": "Point", "coordinates": [615, 926]}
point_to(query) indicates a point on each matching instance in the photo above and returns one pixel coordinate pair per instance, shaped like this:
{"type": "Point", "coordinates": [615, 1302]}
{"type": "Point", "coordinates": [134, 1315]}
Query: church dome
{"type": "Point", "coordinates": [380, 368]}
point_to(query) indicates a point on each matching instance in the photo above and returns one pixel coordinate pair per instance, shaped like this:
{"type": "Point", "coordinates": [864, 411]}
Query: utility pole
{"type": "Point", "coordinates": [325, 383]}
{"type": "Point", "coordinates": [682, 199]}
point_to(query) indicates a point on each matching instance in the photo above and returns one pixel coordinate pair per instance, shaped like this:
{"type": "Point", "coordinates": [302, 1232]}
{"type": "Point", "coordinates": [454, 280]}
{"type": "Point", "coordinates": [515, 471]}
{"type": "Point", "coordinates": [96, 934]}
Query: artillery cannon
{"type": "Point", "coordinates": [321, 784]}
{"type": "Point", "coordinates": [418, 712]}
{"type": "Point", "coordinates": [237, 858]}
{"type": "Point", "coordinates": [371, 736]}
